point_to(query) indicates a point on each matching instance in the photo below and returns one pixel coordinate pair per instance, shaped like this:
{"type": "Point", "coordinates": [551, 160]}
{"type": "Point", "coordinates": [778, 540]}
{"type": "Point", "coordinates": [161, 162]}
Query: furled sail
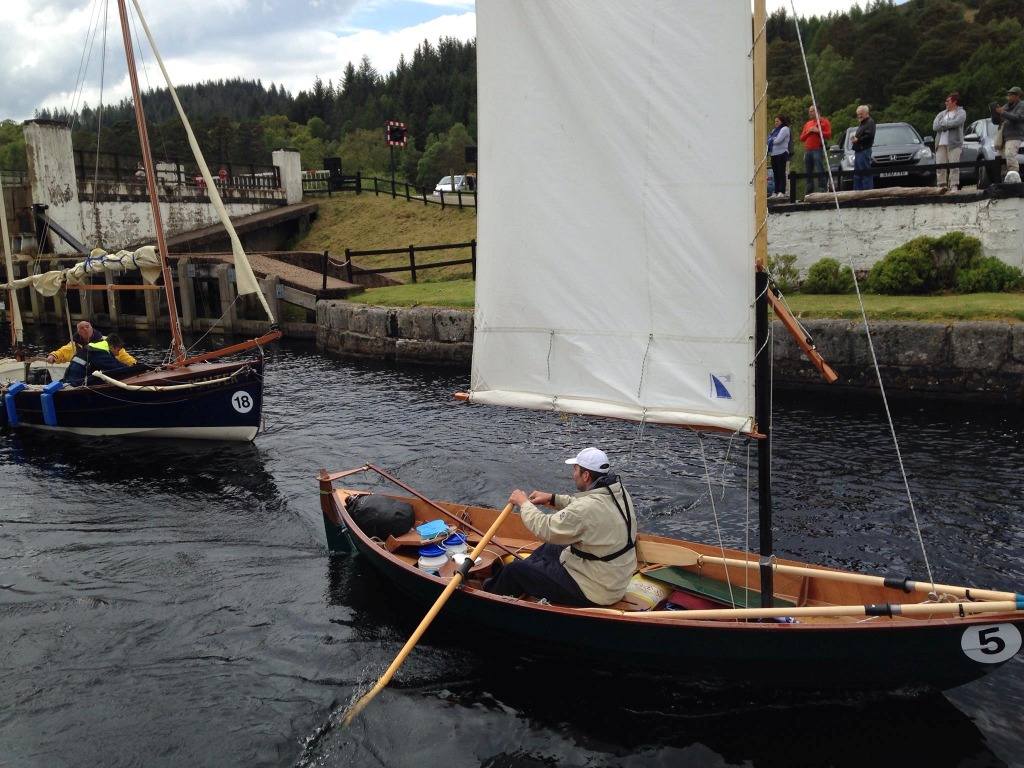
{"type": "Point", "coordinates": [145, 259]}
{"type": "Point", "coordinates": [616, 263]}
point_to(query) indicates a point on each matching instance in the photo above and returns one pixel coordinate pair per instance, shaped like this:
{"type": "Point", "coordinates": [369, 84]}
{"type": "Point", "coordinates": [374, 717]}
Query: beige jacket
{"type": "Point", "coordinates": [590, 522]}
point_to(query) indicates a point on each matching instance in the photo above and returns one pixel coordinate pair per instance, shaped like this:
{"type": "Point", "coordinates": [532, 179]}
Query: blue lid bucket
{"type": "Point", "coordinates": [433, 556]}
{"type": "Point", "coordinates": [455, 544]}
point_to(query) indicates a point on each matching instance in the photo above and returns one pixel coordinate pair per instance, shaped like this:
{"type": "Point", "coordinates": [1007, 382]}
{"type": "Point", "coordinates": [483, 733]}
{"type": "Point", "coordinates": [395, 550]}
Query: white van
{"type": "Point", "coordinates": [455, 184]}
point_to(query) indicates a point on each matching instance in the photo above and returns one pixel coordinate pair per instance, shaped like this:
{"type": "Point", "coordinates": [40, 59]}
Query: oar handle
{"type": "Point", "coordinates": [431, 614]}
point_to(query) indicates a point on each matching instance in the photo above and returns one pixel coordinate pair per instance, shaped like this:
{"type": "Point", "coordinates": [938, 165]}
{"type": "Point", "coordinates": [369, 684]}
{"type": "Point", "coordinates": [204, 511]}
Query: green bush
{"type": "Point", "coordinates": [989, 275]}
{"type": "Point", "coordinates": [926, 264]}
{"type": "Point", "coordinates": [906, 269]}
{"type": "Point", "coordinates": [783, 273]}
{"type": "Point", "coordinates": [828, 276]}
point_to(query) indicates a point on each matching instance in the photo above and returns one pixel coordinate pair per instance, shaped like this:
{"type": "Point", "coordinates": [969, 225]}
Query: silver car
{"type": "Point", "coordinates": [979, 152]}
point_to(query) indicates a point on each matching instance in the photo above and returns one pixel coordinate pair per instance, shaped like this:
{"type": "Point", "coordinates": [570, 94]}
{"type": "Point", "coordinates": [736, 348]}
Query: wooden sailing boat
{"type": "Point", "coordinates": [632, 294]}
{"type": "Point", "coordinates": [192, 397]}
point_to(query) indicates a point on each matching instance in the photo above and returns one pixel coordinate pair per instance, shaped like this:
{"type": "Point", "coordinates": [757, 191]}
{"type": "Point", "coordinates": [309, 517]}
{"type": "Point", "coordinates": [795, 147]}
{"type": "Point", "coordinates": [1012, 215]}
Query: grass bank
{"type": "Point", "coordinates": [369, 222]}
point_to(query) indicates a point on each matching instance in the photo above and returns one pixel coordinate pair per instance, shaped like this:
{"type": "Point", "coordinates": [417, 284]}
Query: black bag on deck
{"type": "Point", "coordinates": [380, 516]}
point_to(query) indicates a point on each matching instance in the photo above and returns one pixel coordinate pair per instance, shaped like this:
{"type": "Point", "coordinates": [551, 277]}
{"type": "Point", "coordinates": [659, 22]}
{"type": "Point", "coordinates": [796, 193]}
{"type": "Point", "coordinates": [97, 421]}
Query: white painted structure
{"type": "Point", "coordinates": [112, 215]}
{"type": "Point", "coordinates": [865, 235]}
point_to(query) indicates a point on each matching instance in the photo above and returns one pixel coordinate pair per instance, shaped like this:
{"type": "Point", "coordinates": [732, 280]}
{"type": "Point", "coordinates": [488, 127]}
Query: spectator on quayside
{"type": "Point", "coordinates": [84, 334]}
{"type": "Point", "coordinates": [814, 148]}
{"type": "Point", "coordinates": [589, 554]}
{"type": "Point", "coordinates": [1011, 117]}
{"type": "Point", "coordinates": [862, 141]}
{"type": "Point", "coordinates": [949, 140]}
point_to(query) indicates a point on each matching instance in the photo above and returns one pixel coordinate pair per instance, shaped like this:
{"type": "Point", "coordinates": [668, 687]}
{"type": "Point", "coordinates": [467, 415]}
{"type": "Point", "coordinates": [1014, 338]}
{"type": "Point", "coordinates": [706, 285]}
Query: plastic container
{"type": "Point", "coordinates": [432, 557]}
{"type": "Point", "coordinates": [646, 593]}
{"type": "Point", "coordinates": [455, 544]}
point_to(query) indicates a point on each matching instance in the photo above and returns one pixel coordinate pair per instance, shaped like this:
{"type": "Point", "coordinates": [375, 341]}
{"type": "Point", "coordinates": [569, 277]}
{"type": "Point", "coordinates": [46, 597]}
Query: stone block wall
{"type": "Point", "coordinates": [426, 335]}
{"type": "Point", "coordinates": [981, 361]}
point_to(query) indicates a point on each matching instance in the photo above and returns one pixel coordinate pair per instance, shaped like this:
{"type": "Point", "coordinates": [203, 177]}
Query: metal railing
{"type": "Point", "coordinates": [128, 169]}
{"type": "Point", "coordinates": [839, 176]}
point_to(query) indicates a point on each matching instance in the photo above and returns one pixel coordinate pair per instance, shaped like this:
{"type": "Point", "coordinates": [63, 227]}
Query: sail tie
{"type": "Point", "coordinates": [643, 366]}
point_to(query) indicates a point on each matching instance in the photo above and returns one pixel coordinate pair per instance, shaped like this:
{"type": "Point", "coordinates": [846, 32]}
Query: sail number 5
{"type": "Point", "coordinates": [991, 644]}
{"type": "Point", "coordinates": [242, 402]}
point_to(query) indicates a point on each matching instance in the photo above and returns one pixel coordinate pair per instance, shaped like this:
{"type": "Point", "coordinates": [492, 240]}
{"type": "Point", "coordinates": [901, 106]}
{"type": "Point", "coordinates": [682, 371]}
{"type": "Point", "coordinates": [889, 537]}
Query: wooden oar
{"type": "Point", "coordinates": [431, 614]}
{"type": "Point", "coordinates": [677, 554]}
{"type": "Point", "coordinates": [883, 609]}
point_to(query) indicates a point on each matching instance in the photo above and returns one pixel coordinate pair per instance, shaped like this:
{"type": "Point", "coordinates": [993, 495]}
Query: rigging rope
{"type": "Point", "coordinates": [864, 317]}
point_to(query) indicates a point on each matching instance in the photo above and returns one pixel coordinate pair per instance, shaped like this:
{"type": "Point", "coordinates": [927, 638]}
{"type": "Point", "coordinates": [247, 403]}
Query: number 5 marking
{"type": "Point", "coordinates": [991, 644]}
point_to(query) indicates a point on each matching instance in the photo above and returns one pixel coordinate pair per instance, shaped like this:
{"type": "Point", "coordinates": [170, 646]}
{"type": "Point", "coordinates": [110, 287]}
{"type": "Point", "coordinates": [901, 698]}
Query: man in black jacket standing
{"type": "Point", "coordinates": [862, 141]}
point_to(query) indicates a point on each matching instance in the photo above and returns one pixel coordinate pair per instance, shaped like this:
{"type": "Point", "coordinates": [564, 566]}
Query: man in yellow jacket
{"type": "Point", "coordinates": [84, 336]}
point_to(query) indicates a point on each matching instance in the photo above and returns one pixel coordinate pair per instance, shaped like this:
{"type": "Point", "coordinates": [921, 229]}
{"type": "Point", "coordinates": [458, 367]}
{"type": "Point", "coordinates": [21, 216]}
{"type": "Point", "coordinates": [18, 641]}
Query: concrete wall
{"type": "Point", "coordinates": [867, 232]}
{"type": "Point", "coordinates": [975, 361]}
{"type": "Point", "coordinates": [428, 335]}
{"type": "Point", "coordinates": [289, 161]}
{"type": "Point", "coordinates": [116, 214]}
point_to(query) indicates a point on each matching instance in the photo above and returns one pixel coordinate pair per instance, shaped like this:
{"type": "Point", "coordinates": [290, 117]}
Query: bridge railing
{"type": "Point", "coordinates": [129, 169]}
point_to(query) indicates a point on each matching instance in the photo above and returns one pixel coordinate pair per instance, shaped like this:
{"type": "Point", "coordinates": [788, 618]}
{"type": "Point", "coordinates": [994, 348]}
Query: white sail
{"type": "Point", "coordinates": [616, 263]}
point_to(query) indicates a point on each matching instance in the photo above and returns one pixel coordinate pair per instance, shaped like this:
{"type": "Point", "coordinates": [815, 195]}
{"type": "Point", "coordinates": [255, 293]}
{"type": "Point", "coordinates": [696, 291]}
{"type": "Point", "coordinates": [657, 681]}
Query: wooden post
{"type": "Point", "coordinates": [412, 261]}
{"type": "Point", "coordinates": [348, 263]}
{"type": "Point", "coordinates": [269, 286]}
{"type": "Point", "coordinates": [229, 313]}
{"type": "Point", "coordinates": [112, 308]}
{"type": "Point", "coordinates": [187, 288]}
{"type": "Point", "coordinates": [152, 300]}
{"type": "Point", "coordinates": [472, 255]}
{"type": "Point", "coordinates": [325, 275]}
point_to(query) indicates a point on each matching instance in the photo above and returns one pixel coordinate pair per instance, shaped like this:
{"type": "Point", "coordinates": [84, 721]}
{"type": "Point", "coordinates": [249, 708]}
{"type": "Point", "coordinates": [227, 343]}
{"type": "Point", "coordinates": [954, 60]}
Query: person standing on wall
{"type": "Point", "coordinates": [949, 140]}
{"type": "Point", "coordinates": [778, 152]}
{"type": "Point", "coordinates": [1011, 117]}
{"type": "Point", "coordinates": [814, 138]}
{"type": "Point", "coordinates": [863, 140]}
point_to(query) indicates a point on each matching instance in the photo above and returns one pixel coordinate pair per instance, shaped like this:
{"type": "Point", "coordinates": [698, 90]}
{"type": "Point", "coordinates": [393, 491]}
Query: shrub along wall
{"type": "Point", "coordinates": [969, 360]}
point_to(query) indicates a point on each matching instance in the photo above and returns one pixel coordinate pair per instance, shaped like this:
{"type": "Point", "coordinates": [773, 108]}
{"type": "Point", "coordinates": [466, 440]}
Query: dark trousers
{"type": "Point", "coordinates": [539, 575]}
{"type": "Point", "coordinates": [862, 162]}
{"type": "Point", "coordinates": [779, 171]}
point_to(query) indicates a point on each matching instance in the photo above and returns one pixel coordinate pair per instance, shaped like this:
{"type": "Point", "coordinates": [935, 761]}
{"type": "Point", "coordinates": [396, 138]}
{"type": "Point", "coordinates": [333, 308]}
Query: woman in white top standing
{"type": "Point", "coordinates": [778, 153]}
{"type": "Point", "coordinates": [949, 140]}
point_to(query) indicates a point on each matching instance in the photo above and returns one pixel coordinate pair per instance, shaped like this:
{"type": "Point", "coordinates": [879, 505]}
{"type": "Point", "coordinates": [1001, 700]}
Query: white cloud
{"type": "Point", "coordinates": [287, 42]}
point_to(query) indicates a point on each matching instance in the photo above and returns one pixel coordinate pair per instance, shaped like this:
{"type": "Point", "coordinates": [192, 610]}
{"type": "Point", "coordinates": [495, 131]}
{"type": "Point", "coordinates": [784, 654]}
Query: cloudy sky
{"type": "Point", "coordinates": [44, 60]}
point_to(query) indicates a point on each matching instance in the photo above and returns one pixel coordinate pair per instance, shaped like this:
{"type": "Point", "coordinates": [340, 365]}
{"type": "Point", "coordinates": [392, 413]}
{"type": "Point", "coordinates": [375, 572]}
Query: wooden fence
{"type": "Point", "coordinates": [319, 182]}
{"type": "Point", "coordinates": [413, 268]}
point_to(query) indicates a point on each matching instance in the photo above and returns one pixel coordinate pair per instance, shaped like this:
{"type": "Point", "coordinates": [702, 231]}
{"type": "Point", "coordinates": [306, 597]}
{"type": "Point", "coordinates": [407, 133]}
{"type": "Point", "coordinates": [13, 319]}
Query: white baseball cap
{"type": "Point", "coordinates": [592, 459]}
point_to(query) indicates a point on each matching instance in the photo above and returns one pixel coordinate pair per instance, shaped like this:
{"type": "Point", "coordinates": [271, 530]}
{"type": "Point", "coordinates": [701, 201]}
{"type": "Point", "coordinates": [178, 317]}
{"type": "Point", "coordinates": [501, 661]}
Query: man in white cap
{"type": "Point", "coordinates": [590, 552]}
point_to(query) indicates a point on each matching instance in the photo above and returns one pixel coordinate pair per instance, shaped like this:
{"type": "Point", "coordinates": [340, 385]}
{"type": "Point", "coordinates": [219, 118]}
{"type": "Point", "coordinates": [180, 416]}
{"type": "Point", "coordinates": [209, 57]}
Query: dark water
{"type": "Point", "coordinates": [173, 604]}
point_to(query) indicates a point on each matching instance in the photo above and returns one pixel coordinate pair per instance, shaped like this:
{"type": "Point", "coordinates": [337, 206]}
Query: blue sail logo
{"type": "Point", "coordinates": [719, 388]}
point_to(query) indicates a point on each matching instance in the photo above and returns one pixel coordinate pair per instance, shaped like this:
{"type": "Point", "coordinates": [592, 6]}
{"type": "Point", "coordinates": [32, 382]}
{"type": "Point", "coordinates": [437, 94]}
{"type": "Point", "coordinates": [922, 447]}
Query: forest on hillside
{"type": "Point", "coordinates": [900, 59]}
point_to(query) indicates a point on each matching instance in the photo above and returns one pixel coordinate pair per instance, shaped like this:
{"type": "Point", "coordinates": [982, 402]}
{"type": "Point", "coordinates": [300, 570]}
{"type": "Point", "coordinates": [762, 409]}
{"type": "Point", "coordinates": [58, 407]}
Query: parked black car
{"type": "Point", "coordinates": [978, 150]}
{"type": "Point", "coordinates": [905, 159]}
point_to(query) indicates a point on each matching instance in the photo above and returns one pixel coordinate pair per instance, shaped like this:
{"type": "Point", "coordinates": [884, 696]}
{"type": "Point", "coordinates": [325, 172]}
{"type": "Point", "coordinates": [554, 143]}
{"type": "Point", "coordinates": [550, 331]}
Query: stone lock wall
{"type": "Point", "coordinates": [428, 335]}
{"type": "Point", "coordinates": [981, 361]}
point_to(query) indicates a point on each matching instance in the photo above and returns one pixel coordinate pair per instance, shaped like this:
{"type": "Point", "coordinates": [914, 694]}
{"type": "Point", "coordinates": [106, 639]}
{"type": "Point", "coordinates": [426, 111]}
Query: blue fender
{"type": "Point", "coordinates": [46, 400]}
{"type": "Point", "coordinates": [12, 411]}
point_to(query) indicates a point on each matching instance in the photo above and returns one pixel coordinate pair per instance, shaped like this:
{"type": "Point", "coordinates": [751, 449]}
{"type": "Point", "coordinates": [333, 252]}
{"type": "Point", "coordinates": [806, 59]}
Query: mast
{"type": "Point", "coordinates": [154, 201]}
{"type": "Point", "coordinates": [16, 329]}
{"type": "Point", "coordinates": [762, 366]}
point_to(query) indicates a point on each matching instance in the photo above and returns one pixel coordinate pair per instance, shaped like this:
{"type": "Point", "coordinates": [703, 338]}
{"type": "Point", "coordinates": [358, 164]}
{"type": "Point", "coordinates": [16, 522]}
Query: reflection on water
{"type": "Point", "coordinates": [174, 603]}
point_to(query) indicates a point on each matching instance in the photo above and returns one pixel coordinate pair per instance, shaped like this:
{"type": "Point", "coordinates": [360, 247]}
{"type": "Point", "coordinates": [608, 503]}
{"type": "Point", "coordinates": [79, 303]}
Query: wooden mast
{"type": "Point", "coordinates": [147, 159]}
{"type": "Point", "coordinates": [762, 364]}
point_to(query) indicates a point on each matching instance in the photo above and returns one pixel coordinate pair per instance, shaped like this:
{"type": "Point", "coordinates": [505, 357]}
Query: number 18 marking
{"type": "Point", "coordinates": [242, 402]}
